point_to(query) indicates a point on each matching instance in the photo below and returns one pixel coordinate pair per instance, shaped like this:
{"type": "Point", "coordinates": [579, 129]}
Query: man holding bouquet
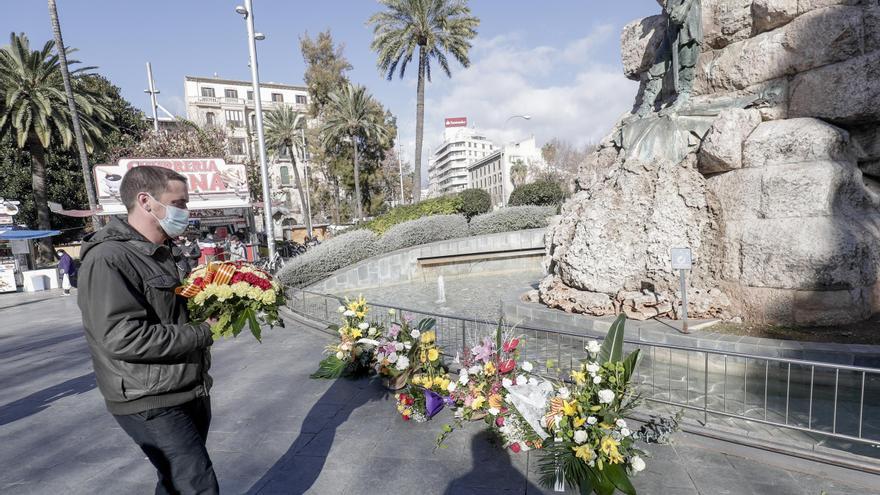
{"type": "Point", "coordinates": [151, 363]}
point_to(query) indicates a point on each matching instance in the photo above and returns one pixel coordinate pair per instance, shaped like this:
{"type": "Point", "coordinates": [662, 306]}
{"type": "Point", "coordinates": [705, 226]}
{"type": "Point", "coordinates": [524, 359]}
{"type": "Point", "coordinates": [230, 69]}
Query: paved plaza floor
{"type": "Point", "coordinates": [277, 431]}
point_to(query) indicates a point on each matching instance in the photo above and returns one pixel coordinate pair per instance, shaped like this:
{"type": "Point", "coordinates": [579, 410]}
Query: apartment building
{"type": "Point", "coordinates": [492, 172]}
{"type": "Point", "coordinates": [448, 164]}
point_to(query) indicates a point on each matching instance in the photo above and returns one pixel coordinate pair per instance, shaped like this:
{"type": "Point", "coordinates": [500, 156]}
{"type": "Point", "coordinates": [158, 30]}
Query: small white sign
{"type": "Point", "coordinates": [681, 258]}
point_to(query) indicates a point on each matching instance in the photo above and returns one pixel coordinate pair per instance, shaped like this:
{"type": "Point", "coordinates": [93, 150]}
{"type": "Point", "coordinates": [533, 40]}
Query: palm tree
{"type": "Point", "coordinates": [351, 115]}
{"type": "Point", "coordinates": [71, 103]}
{"type": "Point", "coordinates": [435, 27]}
{"type": "Point", "coordinates": [36, 114]}
{"type": "Point", "coordinates": [518, 173]}
{"type": "Point", "coordinates": [284, 128]}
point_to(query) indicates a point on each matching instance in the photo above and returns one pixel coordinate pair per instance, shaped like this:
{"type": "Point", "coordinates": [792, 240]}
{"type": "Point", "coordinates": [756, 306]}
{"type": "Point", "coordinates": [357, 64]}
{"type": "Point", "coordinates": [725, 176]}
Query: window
{"type": "Point", "coordinates": [277, 97]}
{"type": "Point", "coordinates": [236, 146]}
{"type": "Point", "coordinates": [285, 176]}
{"type": "Point", "coordinates": [235, 118]}
{"type": "Point", "coordinates": [209, 118]}
{"type": "Point", "coordinates": [208, 92]}
{"type": "Point", "coordinates": [231, 93]}
{"type": "Point", "coordinates": [250, 96]}
{"type": "Point", "coordinates": [300, 99]}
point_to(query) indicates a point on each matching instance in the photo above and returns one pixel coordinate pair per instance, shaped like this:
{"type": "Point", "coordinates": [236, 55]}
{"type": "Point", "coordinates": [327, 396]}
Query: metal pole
{"type": "Point", "coordinates": [684, 302]}
{"type": "Point", "coordinates": [153, 92]}
{"type": "Point", "coordinates": [308, 205]}
{"type": "Point", "coordinates": [400, 164]}
{"type": "Point", "coordinates": [261, 144]}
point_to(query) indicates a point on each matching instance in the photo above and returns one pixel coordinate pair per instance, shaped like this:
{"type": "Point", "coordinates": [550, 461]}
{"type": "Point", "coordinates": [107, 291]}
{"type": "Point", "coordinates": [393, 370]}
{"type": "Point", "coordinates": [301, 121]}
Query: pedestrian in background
{"type": "Point", "coordinates": [190, 250]}
{"type": "Point", "coordinates": [237, 251]}
{"type": "Point", "coordinates": [67, 267]}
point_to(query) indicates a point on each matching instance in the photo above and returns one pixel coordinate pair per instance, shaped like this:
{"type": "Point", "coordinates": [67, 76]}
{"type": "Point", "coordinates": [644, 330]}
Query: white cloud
{"type": "Point", "coordinates": [567, 94]}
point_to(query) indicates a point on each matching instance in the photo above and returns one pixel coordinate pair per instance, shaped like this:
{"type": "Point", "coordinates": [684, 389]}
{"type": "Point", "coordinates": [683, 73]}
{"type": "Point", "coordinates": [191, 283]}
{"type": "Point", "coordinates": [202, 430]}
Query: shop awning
{"type": "Point", "coordinates": [21, 235]}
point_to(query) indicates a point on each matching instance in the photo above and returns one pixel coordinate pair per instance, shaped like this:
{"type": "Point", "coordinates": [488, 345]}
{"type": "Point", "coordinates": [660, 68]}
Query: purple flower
{"type": "Point", "coordinates": [408, 318]}
{"type": "Point", "coordinates": [395, 329]}
{"type": "Point", "coordinates": [484, 352]}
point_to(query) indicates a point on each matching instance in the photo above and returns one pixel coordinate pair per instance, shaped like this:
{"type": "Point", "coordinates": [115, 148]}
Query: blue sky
{"type": "Point", "coordinates": [556, 60]}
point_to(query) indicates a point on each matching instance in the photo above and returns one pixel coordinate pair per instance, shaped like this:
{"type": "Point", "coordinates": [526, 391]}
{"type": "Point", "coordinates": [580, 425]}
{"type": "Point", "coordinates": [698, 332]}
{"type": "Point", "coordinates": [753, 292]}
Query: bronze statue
{"type": "Point", "coordinates": [676, 58]}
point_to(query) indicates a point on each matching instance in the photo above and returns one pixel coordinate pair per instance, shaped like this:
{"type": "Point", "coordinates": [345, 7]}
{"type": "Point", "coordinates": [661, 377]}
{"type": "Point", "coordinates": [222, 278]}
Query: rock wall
{"type": "Point", "coordinates": [772, 183]}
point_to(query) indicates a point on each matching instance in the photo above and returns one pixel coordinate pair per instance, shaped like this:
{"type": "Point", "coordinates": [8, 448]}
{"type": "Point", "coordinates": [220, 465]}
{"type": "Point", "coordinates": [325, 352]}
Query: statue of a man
{"type": "Point", "coordinates": [676, 57]}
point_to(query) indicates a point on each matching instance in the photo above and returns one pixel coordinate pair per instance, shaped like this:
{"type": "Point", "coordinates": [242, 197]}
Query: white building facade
{"type": "Point", "coordinates": [492, 173]}
{"type": "Point", "coordinates": [229, 104]}
{"type": "Point", "coordinates": [448, 165]}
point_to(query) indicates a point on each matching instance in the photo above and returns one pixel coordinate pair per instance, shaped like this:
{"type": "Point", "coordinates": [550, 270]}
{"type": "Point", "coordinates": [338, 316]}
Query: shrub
{"type": "Point", "coordinates": [541, 193]}
{"type": "Point", "coordinates": [423, 231]}
{"type": "Point", "coordinates": [321, 261]}
{"type": "Point", "coordinates": [474, 202]}
{"type": "Point", "coordinates": [444, 205]}
{"type": "Point", "coordinates": [510, 219]}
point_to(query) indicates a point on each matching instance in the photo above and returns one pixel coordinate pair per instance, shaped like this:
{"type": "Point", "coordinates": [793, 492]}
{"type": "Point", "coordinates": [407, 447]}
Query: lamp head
{"type": "Point", "coordinates": [259, 36]}
{"type": "Point", "coordinates": [241, 10]}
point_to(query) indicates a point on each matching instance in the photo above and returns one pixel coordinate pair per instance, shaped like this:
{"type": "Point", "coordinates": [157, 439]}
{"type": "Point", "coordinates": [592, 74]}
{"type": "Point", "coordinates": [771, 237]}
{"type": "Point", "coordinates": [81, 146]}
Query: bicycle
{"type": "Point", "coordinates": [271, 266]}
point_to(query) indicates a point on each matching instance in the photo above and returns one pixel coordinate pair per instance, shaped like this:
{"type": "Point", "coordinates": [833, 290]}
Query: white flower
{"type": "Point", "coordinates": [371, 342]}
{"type": "Point", "coordinates": [593, 347]}
{"type": "Point", "coordinates": [564, 393]}
{"type": "Point", "coordinates": [591, 463]}
{"type": "Point", "coordinates": [348, 313]}
{"type": "Point", "coordinates": [391, 312]}
{"type": "Point", "coordinates": [505, 382]}
{"type": "Point", "coordinates": [522, 380]}
{"type": "Point", "coordinates": [637, 463]}
{"type": "Point", "coordinates": [475, 369]}
{"type": "Point", "coordinates": [592, 420]}
{"type": "Point", "coordinates": [621, 423]}
{"type": "Point", "coordinates": [392, 358]}
{"type": "Point", "coordinates": [363, 325]}
{"type": "Point", "coordinates": [402, 363]}
{"type": "Point", "coordinates": [580, 436]}
{"type": "Point", "coordinates": [527, 366]}
{"type": "Point", "coordinates": [534, 381]}
{"type": "Point", "coordinates": [625, 432]}
{"type": "Point", "coordinates": [340, 309]}
{"type": "Point", "coordinates": [593, 368]}
{"type": "Point", "coordinates": [372, 331]}
{"type": "Point", "coordinates": [407, 345]}
{"type": "Point", "coordinates": [606, 396]}
{"type": "Point", "coordinates": [493, 411]}
{"type": "Point", "coordinates": [545, 387]}
{"type": "Point", "coordinates": [597, 380]}
{"type": "Point", "coordinates": [341, 332]}
{"type": "Point", "coordinates": [415, 333]}
{"type": "Point", "coordinates": [463, 378]}
{"type": "Point", "coordinates": [339, 355]}
{"type": "Point", "coordinates": [398, 346]}
{"type": "Point", "coordinates": [451, 387]}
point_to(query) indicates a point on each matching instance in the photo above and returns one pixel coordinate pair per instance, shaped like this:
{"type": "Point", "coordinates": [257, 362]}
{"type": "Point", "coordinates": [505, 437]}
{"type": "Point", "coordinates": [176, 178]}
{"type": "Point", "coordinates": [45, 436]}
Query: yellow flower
{"type": "Point", "coordinates": [428, 337]}
{"type": "Point", "coordinates": [433, 355]}
{"type": "Point", "coordinates": [268, 297]}
{"type": "Point", "coordinates": [584, 452]}
{"type": "Point", "coordinates": [579, 421]}
{"type": "Point", "coordinates": [407, 412]}
{"type": "Point", "coordinates": [356, 333]}
{"type": "Point", "coordinates": [416, 380]}
{"type": "Point", "coordinates": [241, 288]}
{"type": "Point", "coordinates": [495, 401]}
{"type": "Point", "coordinates": [478, 402]}
{"type": "Point", "coordinates": [427, 382]}
{"type": "Point", "coordinates": [199, 299]}
{"type": "Point", "coordinates": [223, 292]}
{"type": "Point", "coordinates": [608, 446]}
{"type": "Point", "coordinates": [255, 293]}
{"type": "Point", "coordinates": [422, 357]}
{"type": "Point", "coordinates": [579, 377]}
{"type": "Point", "coordinates": [489, 368]}
{"type": "Point", "coordinates": [441, 383]}
{"type": "Point", "coordinates": [569, 408]}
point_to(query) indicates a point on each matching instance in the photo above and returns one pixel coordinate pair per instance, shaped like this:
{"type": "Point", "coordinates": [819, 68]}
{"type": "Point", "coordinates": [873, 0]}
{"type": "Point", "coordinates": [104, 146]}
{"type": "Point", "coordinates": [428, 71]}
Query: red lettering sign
{"type": "Point", "coordinates": [456, 121]}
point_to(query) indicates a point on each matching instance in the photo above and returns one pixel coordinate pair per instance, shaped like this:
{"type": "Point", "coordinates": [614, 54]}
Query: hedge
{"type": "Point", "coordinates": [319, 262]}
{"type": "Point", "coordinates": [475, 202]}
{"type": "Point", "coordinates": [423, 231]}
{"type": "Point", "coordinates": [444, 205]}
{"type": "Point", "coordinates": [540, 193]}
{"type": "Point", "coordinates": [510, 219]}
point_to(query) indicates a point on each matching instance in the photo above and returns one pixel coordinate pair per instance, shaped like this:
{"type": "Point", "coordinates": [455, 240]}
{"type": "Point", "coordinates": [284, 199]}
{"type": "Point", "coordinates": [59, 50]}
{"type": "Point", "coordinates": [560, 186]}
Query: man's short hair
{"type": "Point", "coordinates": [152, 180]}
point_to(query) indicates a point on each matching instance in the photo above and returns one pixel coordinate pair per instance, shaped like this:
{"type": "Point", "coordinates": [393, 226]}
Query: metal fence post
{"type": "Point", "coordinates": [326, 310]}
{"type": "Point", "coordinates": [706, 390]}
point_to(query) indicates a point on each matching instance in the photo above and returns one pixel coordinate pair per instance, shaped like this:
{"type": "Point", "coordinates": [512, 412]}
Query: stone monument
{"type": "Point", "coordinates": [762, 156]}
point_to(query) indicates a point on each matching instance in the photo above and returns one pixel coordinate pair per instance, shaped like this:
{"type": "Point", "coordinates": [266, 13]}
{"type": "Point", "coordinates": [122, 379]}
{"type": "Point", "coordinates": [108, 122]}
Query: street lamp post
{"type": "Point", "coordinates": [247, 11]}
{"type": "Point", "coordinates": [400, 164]}
{"type": "Point", "coordinates": [308, 206]}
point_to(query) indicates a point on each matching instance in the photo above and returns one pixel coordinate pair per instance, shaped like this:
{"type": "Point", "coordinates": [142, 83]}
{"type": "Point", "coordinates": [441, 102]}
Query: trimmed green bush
{"type": "Point", "coordinates": [474, 202]}
{"type": "Point", "coordinates": [444, 205]}
{"type": "Point", "coordinates": [510, 219]}
{"type": "Point", "coordinates": [423, 231]}
{"type": "Point", "coordinates": [539, 193]}
{"type": "Point", "coordinates": [321, 261]}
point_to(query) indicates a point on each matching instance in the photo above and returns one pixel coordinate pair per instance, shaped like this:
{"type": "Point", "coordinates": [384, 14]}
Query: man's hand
{"type": "Point", "coordinates": [211, 321]}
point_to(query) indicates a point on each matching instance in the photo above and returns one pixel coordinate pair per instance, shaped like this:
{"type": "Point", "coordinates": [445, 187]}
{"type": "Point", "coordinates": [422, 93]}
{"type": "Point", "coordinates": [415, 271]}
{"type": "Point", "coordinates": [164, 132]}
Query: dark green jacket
{"type": "Point", "coordinates": [145, 352]}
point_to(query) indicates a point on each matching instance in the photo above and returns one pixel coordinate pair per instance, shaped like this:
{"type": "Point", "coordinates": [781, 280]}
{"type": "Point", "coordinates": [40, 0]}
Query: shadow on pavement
{"type": "Point", "coordinates": [492, 470]}
{"type": "Point", "coordinates": [38, 401]}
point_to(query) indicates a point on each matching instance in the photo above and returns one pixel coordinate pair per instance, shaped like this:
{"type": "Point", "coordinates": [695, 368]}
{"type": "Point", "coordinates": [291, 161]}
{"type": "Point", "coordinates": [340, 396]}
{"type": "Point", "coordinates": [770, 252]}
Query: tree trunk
{"type": "Point", "coordinates": [45, 248]}
{"type": "Point", "coordinates": [302, 196]}
{"type": "Point", "coordinates": [420, 126]}
{"type": "Point", "coordinates": [357, 182]}
{"type": "Point", "coordinates": [74, 115]}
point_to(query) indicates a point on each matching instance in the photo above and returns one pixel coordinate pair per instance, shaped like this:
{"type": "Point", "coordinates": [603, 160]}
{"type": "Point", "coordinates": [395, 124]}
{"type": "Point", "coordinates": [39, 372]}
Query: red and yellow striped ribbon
{"type": "Point", "coordinates": [216, 273]}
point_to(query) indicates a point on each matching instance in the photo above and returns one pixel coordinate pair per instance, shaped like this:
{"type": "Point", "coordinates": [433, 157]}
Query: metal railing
{"type": "Point", "coordinates": [268, 104]}
{"type": "Point", "coordinates": [831, 401]}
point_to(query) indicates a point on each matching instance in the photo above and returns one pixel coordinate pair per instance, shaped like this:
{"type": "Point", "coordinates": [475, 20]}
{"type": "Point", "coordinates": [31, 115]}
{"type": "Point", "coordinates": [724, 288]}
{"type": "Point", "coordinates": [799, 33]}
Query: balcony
{"type": "Point", "coordinates": [219, 101]}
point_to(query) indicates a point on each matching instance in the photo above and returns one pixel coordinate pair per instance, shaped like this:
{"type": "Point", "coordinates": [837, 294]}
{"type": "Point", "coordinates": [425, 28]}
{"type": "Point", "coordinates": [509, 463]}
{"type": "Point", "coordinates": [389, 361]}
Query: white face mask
{"type": "Point", "coordinates": [176, 219]}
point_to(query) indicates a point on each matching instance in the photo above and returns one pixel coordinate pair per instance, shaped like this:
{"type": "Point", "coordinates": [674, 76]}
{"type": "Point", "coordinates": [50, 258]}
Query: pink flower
{"type": "Point", "coordinates": [408, 318]}
{"type": "Point", "coordinates": [395, 329]}
{"type": "Point", "coordinates": [499, 421]}
{"type": "Point", "coordinates": [515, 447]}
{"type": "Point", "coordinates": [484, 352]}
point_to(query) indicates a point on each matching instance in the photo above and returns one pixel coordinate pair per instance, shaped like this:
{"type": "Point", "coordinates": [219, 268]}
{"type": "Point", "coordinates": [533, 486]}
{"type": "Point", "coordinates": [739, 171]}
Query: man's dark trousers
{"type": "Point", "coordinates": [174, 440]}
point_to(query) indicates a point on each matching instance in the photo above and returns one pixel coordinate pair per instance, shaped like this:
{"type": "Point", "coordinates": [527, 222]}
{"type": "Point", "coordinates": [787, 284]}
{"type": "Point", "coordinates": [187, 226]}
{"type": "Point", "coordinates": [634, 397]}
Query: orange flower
{"type": "Point", "coordinates": [495, 401]}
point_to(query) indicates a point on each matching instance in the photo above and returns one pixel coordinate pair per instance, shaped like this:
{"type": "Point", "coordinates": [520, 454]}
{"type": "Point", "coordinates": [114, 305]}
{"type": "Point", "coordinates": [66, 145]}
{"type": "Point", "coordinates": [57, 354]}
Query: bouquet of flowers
{"type": "Point", "coordinates": [592, 446]}
{"type": "Point", "coordinates": [236, 294]}
{"type": "Point", "coordinates": [424, 398]}
{"type": "Point", "coordinates": [352, 355]}
{"type": "Point", "coordinates": [485, 369]}
{"type": "Point", "coordinates": [399, 350]}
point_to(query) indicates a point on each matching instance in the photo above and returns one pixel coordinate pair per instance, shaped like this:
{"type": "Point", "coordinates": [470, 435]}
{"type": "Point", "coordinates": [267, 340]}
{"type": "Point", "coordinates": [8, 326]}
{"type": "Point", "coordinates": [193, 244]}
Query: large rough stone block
{"type": "Point", "coordinates": [832, 307]}
{"type": "Point", "coordinates": [823, 253]}
{"type": "Point", "coordinates": [808, 5]}
{"type": "Point", "coordinates": [722, 147]}
{"type": "Point", "coordinates": [725, 22]}
{"type": "Point", "coordinates": [738, 192]}
{"type": "Point", "coordinates": [770, 14]}
{"type": "Point", "coordinates": [844, 93]}
{"type": "Point", "coordinates": [794, 140]}
{"type": "Point", "coordinates": [639, 42]}
{"type": "Point", "coordinates": [814, 39]}
{"type": "Point", "coordinates": [809, 189]}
